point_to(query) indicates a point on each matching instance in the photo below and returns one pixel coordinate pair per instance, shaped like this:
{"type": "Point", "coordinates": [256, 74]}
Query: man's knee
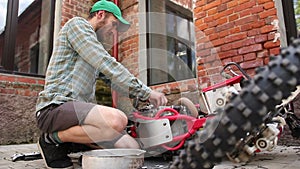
{"type": "Point", "coordinates": [118, 121]}
{"type": "Point", "coordinates": [110, 118]}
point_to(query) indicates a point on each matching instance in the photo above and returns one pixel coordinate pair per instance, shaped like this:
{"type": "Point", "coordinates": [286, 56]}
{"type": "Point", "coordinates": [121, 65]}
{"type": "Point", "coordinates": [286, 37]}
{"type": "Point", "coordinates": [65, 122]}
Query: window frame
{"type": "Point", "coordinates": [180, 11]}
{"type": "Point", "coordinates": [8, 55]}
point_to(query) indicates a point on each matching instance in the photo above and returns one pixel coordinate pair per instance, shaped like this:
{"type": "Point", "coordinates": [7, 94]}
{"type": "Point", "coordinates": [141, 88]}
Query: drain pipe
{"type": "Point", "coordinates": [115, 52]}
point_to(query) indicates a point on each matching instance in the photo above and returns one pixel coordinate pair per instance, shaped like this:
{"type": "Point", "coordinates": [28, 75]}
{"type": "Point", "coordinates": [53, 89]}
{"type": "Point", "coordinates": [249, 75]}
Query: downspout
{"type": "Point", "coordinates": [116, 56]}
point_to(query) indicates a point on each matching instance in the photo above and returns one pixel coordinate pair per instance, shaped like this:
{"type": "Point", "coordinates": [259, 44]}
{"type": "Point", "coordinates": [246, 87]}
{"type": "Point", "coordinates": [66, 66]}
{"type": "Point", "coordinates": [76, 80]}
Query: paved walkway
{"type": "Point", "coordinates": [281, 158]}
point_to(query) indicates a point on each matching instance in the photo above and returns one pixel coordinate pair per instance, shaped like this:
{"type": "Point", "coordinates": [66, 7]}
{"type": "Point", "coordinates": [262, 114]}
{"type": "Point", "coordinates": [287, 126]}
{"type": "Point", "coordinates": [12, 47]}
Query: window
{"type": "Point", "coordinates": [170, 43]}
{"type": "Point", "coordinates": [26, 35]}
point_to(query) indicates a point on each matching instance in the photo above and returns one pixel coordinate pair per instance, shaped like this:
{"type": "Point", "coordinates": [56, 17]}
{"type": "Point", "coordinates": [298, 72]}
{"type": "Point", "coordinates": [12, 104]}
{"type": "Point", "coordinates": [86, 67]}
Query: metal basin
{"type": "Point", "coordinates": [113, 159]}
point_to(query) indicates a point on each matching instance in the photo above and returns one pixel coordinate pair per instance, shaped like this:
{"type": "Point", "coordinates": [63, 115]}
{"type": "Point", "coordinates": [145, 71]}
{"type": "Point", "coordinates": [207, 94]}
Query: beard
{"type": "Point", "coordinates": [105, 38]}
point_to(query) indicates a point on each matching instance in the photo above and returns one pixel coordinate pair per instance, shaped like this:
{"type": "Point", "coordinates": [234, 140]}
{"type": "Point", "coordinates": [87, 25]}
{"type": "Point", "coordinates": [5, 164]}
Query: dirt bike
{"type": "Point", "coordinates": [245, 114]}
{"type": "Point", "coordinates": [250, 122]}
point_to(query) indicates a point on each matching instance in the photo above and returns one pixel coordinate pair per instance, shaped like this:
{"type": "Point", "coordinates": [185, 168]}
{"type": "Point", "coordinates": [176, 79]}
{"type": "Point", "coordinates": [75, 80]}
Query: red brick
{"type": "Point", "coordinates": [261, 38]}
{"type": "Point", "coordinates": [210, 58]}
{"type": "Point", "coordinates": [247, 19]}
{"type": "Point", "coordinates": [268, 13]}
{"type": "Point", "coordinates": [263, 1]}
{"type": "Point", "coordinates": [257, 9]}
{"type": "Point", "coordinates": [245, 12]}
{"type": "Point", "coordinates": [202, 73]}
{"type": "Point", "coordinates": [222, 7]}
{"type": "Point", "coordinates": [208, 19]}
{"type": "Point", "coordinates": [262, 54]}
{"type": "Point", "coordinates": [211, 5]}
{"type": "Point", "coordinates": [212, 12]}
{"type": "Point", "coordinates": [266, 29]}
{"type": "Point", "coordinates": [249, 56]}
{"type": "Point", "coordinates": [235, 30]}
{"type": "Point", "coordinates": [226, 47]}
{"type": "Point", "coordinates": [270, 44]}
{"type": "Point", "coordinates": [237, 59]}
{"type": "Point", "coordinates": [274, 51]}
{"type": "Point", "coordinates": [232, 4]}
{"type": "Point", "coordinates": [252, 64]}
{"type": "Point", "coordinates": [244, 42]}
{"type": "Point", "coordinates": [247, 5]}
{"type": "Point", "coordinates": [209, 31]}
{"type": "Point", "coordinates": [258, 24]}
{"type": "Point", "coordinates": [223, 14]}
{"type": "Point", "coordinates": [248, 49]}
{"type": "Point", "coordinates": [227, 54]}
{"type": "Point", "coordinates": [224, 27]}
{"type": "Point", "coordinates": [7, 91]}
{"type": "Point", "coordinates": [226, 61]}
{"type": "Point", "coordinates": [218, 42]}
{"type": "Point", "coordinates": [200, 3]}
{"type": "Point", "coordinates": [224, 33]}
{"type": "Point", "coordinates": [7, 78]}
{"type": "Point", "coordinates": [200, 15]}
{"type": "Point", "coordinates": [213, 36]}
{"type": "Point", "coordinates": [269, 5]}
{"type": "Point", "coordinates": [253, 32]}
{"type": "Point", "coordinates": [266, 60]}
{"type": "Point", "coordinates": [246, 27]}
{"type": "Point", "coordinates": [26, 80]}
{"type": "Point", "coordinates": [222, 21]}
{"type": "Point", "coordinates": [251, 72]}
{"type": "Point", "coordinates": [236, 37]}
{"type": "Point", "coordinates": [233, 17]}
{"type": "Point", "coordinates": [213, 23]}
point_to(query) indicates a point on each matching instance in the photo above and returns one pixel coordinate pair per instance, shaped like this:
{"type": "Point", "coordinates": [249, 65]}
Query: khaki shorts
{"type": "Point", "coordinates": [60, 117]}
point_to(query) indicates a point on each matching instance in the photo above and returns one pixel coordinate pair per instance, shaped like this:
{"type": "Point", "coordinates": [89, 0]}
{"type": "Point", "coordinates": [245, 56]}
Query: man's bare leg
{"type": "Point", "coordinates": [101, 124]}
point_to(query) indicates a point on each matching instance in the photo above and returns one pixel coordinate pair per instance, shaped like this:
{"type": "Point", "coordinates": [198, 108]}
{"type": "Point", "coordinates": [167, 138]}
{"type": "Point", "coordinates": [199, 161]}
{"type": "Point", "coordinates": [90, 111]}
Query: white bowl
{"type": "Point", "coordinates": [113, 159]}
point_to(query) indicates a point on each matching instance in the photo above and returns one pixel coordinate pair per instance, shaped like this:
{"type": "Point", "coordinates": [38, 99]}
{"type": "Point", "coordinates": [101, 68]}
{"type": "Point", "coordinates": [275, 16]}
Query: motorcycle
{"type": "Point", "coordinates": [248, 118]}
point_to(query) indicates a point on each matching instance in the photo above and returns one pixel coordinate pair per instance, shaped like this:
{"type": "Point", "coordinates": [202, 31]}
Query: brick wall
{"type": "Point", "coordinates": [240, 31]}
{"type": "Point", "coordinates": [17, 106]}
{"type": "Point", "coordinates": [71, 8]}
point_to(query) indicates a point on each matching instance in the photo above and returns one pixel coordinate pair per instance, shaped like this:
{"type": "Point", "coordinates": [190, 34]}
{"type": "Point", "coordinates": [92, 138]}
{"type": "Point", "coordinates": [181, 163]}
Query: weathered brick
{"type": "Point", "coordinates": [253, 32]}
{"type": "Point", "coordinates": [244, 6]}
{"type": "Point", "coordinates": [248, 49]}
{"type": "Point", "coordinates": [274, 51]}
{"type": "Point", "coordinates": [214, 3]}
{"type": "Point", "coordinates": [266, 29]}
{"type": "Point", "coordinates": [270, 44]}
{"type": "Point", "coordinates": [233, 17]}
{"type": "Point", "coordinates": [261, 38]}
{"type": "Point", "coordinates": [263, 1]}
{"type": "Point", "coordinates": [257, 9]}
{"type": "Point", "coordinates": [237, 59]}
{"type": "Point", "coordinates": [228, 54]}
{"type": "Point", "coordinates": [236, 37]}
{"type": "Point", "coordinates": [7, 78]}
{"type": "Point", "coordinates": [224, 26]}
{"type": "Point", "coordinates": [267, 13]}
{"type": "Point", "coordinates": [249, 56]}
{"type": "Point", "coordinates": [252, 64]}
{"type": "Point", "coordinates": [269, 5]}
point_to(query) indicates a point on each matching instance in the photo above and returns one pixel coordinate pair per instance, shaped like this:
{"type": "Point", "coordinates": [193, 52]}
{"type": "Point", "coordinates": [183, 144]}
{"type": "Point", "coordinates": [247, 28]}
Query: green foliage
{"type": "Point", "coordinates": [103, 94]}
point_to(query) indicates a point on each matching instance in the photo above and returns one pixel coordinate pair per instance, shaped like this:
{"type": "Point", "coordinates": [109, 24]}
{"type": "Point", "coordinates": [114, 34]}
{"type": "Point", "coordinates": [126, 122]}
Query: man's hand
{"type": "Point", "coordinates": [157, 99]}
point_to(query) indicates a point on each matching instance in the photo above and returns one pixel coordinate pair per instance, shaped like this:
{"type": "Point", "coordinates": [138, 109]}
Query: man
{"type": "Point", "coordinates": [65, 112]}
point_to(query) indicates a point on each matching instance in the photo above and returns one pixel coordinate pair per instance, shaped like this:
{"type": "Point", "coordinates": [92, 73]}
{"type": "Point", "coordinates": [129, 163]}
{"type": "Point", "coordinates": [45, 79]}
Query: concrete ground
{"type": "Point", "coordinates": [282, 157]}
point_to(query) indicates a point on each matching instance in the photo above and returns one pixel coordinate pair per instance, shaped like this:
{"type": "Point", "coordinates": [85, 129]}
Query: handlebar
{"type": "Point", "coordinates": [238, 66]}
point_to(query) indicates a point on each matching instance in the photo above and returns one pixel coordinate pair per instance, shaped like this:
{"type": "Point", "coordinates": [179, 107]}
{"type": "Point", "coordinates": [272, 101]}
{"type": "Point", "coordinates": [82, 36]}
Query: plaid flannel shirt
{"type": "Point", "coordinates": [77, 60]}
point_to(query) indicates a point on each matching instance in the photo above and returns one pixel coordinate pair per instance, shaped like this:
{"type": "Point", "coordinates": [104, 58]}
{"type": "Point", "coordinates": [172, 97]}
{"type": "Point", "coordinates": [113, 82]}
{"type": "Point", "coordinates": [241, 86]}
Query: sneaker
{"type": "Point", "coordinates": [55, 156]}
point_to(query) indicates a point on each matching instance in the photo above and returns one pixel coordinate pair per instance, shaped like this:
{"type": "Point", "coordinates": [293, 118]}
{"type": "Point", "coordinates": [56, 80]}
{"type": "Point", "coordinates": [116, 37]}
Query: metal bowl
{"type": "Point", "coordinates": [113, 159]}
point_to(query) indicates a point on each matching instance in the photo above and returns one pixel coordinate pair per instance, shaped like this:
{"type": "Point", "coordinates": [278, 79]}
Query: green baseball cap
{"type": "Point", "coordinates": [115, 10]}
